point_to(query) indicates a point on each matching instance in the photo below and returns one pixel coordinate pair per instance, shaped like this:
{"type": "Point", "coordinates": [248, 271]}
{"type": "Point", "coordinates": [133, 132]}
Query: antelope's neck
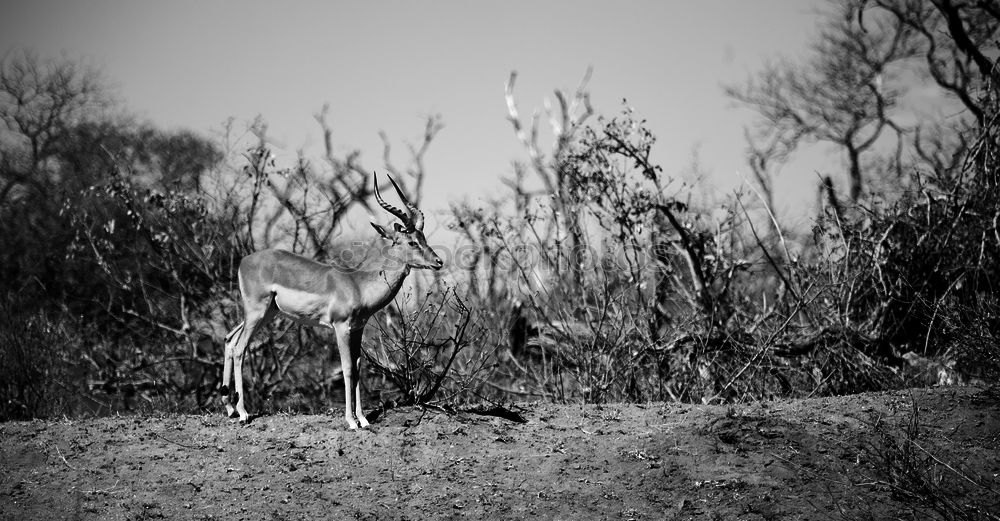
{"type": "Point", "coordinates": [382, 286]}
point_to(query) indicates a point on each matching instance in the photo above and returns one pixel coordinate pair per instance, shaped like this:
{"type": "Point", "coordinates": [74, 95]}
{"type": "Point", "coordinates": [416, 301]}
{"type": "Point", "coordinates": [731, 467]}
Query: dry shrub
{"type": "Point", "coordinates": [901, 461]}
{"type": "Point", "coordinates": [437, 350]}
{"type": "Point", "coordinates": [41, 374]}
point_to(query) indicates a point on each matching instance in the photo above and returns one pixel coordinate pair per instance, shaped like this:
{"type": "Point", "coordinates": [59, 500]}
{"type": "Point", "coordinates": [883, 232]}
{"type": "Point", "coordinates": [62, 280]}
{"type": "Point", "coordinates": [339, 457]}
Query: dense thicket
{"type": "Point", "coordinates": [596, 278]}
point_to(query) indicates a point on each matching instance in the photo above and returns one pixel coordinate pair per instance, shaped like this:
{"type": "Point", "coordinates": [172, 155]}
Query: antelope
{"type": "Point", "coordinates": [312, 293]}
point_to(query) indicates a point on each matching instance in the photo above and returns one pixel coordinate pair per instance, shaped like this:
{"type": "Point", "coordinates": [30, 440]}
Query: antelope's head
{"type": "Point", "coordinates": [408, 241]}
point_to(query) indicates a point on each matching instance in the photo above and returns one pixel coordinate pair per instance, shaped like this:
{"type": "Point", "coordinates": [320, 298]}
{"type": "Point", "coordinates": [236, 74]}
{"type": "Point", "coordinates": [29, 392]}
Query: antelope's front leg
{"type": "Point", "coordinates": [349, 370]}
{"type": "Point", "coordinates": [355, 344]}
{"type": "Point", "coordinates": [227, 370]}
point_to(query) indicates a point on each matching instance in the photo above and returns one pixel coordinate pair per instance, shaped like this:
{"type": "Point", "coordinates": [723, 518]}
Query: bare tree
{"type": "Point", "coordinates": [312, 200]}
{"type": "Point", "coordinates": [867, 55]}
{"type": "Point", "coordinates": [955, 41]}
{"type": "Point", "coordinates": [41, 101]}
{"type": "Point", "coordinates": [839, 95]}
{"type": "Point", "coordinates": [951, 37]}
{"type": "Point", "coordinates": [564, 121]}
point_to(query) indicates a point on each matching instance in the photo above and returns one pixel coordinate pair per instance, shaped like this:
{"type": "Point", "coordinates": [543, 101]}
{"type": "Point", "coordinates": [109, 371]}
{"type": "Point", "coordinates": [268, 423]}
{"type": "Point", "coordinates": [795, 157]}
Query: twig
{"type": "Point", "coordinates": [59, 452]}
{"type": "Point", "coordinates": [812, 473]}
{"type": "Point", "coordinates": [949, 467]}
{"type": "Point", "coordinates": [760, 354]}
{"type": "Point", "coordinates": [516, 392]}
{"type": "Point", "coordinates": [104, 490]}
{"type": "Point", "coordinates": [767, 254]}
{"type": "Point", "coordinates": [152, 322]}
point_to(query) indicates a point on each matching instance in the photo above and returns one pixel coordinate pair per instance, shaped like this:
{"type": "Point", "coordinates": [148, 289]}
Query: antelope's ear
{"type": "Point", "coordinates": [398, 227]}
{"type": "Point", "coordinates": [381, 231]}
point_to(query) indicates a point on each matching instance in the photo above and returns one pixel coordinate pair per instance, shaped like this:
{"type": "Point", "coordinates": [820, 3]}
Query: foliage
{"type": "Point", "coordinates": [681, 302]}
{"type": "Point", "coordinates": [599, 279]}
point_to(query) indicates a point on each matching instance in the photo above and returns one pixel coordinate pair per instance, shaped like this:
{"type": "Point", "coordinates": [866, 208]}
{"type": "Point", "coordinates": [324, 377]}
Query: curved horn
{"type": "Point", "coordinates": [416, 216]}
{"type": "Point", "coordinates": [388, 207]}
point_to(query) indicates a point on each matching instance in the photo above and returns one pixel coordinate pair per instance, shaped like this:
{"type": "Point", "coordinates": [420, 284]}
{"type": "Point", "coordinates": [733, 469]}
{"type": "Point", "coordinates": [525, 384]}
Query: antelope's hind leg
{"type": "Point", "coordinates": [255, 318]}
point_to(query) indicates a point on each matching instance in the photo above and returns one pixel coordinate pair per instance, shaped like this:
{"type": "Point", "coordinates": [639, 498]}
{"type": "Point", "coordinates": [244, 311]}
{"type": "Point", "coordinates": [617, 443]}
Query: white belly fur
{"type": "Point", "coordinates": [302, 306]}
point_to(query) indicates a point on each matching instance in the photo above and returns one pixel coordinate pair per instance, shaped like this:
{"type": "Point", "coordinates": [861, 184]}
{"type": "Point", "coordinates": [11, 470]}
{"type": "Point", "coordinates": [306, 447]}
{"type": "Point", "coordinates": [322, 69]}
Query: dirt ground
{"type": "Point", "coordinates": [805, 459]}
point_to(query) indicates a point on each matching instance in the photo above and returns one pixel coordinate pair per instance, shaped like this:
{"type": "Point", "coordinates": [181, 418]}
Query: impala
{"type": "Point", "coordinates": [316, 294]}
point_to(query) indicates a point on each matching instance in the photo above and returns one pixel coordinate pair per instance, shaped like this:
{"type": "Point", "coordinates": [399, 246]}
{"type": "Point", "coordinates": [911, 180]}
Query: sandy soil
{"type": "Point", "coordinates": [801, 459]}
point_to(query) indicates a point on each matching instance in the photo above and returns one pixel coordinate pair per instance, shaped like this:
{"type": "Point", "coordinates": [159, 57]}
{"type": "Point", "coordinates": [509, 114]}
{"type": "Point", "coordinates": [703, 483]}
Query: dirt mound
{"type": "Point", "coordinates": [807, 459]}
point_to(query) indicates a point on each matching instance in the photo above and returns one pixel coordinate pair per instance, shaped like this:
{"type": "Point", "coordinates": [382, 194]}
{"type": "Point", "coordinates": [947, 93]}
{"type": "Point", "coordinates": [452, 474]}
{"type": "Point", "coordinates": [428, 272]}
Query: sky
{"type": "Point", "coordinates": [387, 65]}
